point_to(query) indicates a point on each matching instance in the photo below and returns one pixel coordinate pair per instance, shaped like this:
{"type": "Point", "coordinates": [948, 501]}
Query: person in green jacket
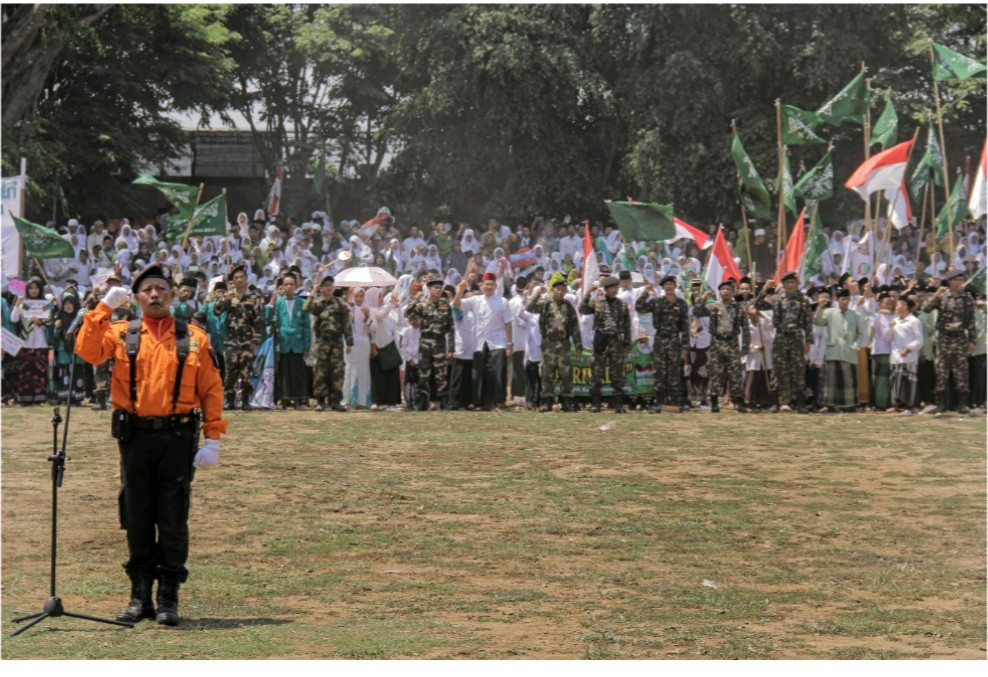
{"type": "Point", "coordinates": [843, 341]}
{"type": "Point", "coordinates": [293, 337]}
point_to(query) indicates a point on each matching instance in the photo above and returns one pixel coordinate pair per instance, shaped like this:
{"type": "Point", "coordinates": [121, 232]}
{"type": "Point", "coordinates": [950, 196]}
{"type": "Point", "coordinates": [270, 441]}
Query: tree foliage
{"type": "Point", "coordinates": [477, 111]}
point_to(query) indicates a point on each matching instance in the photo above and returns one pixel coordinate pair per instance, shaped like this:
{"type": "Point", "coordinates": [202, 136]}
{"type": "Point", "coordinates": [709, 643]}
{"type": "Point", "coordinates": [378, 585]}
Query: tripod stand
{"type": "Point", "coordinates": [53, 605]}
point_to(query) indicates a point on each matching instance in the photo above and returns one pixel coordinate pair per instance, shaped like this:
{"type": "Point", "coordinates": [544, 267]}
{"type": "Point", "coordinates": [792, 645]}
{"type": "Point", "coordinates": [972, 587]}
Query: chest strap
{"type": "Point", "coordinates": [132, 345]}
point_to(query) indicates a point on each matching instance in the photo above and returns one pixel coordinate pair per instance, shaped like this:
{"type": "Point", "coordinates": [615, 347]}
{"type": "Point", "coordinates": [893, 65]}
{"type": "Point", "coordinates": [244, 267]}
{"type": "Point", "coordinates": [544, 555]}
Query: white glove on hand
{"type": "Point", "coordinates": [208, 454]}
{"type": "Point", "coordinates": [116, 297]}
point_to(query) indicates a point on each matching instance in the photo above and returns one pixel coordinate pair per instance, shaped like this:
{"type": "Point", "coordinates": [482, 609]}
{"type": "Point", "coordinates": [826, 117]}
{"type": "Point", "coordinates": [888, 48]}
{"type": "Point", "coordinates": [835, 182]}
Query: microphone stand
{"type": "Point", "coordinates": [53, 605]}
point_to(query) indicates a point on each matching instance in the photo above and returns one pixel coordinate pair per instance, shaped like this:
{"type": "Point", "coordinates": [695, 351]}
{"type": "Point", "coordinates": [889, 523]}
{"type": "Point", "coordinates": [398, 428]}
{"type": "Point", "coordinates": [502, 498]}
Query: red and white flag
{"type": "Point", "coordinates": [591, 269]}
{"type": "Point", "coordinates": [978, 202]}
{"type": "Point", "coordinates": [685, 230]}
{"type": "Point", "coordinates": [793, 256]}
{"type": "Point", "coordinates": [274, 197]}
{"type": "Point", "coordinates": [720, 265]}
{"type": "Point", "coordinates": [881, 172]}
{"type": "Point", "coordinates": [900, 212]}
{"type": "Point", "coordinates": [370, 227]}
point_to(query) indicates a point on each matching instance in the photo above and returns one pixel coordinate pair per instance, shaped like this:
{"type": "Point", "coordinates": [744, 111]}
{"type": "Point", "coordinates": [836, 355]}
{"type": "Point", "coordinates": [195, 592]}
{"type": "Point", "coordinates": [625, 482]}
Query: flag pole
{"type": "Point", "coordinates": [782, 184]}
{"type": "Point", "coordinates": [943, 159]}
{"type": "Point", "coordinates": [744, 216]}
{"type": "Point", "coordinates": [188, 229]}
{"type": "Point", "coordinates": [922, 224]}
{"type": "Point", "coordinates": [866, 136]}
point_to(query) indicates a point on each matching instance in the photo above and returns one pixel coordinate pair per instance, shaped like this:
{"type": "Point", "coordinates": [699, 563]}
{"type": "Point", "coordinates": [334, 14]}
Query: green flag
{"type": "Point", "coordinates": [887, 127]}
{"type": "Point", "coordinates": [798, 126]}
{"type": "Point", "coordinates": [209, 219]}
{"type": "Point", "coordinates": [958, 207]}
{"type": "Point", "coordinates": [752, 193]}
{"type": "Point", "coordinates": [65, 203]}
{"type": "Point", "coordinates": [978, 280]}
{"type": "Point", "coordinates": [41, 242]}
{"type": "Point", "coordinates": [643, 220]}
{"type": "Point", "coordinates": [849, 104]}
{"type": "Point", "coordinates": [931, 164]}
{"type": "Point", "coordinates": [179, 194]}
{"type": "Point", "coordinates": [816, 246]}
{"type": "Point", "coordinates": [789, 195]}
{"type": "Point", "coordinates": [818, 183]}
{"type": "Point", "coordinates": [948, 64]}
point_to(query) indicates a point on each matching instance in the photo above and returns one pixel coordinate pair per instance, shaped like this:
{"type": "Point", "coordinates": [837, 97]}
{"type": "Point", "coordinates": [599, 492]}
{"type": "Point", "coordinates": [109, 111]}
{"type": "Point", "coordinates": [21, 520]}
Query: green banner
{"type": "Point", "coordinates": [41, 242]}
{"type": "Point", "coordinates": [638, 375]}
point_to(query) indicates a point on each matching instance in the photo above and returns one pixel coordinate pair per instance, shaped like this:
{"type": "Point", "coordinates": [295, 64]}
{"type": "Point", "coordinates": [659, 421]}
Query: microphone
{"type": "Point", "coordinates": [77, 322]}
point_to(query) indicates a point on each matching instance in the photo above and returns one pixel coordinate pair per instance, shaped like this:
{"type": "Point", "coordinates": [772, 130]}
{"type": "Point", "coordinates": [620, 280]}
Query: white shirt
{"type": "Point", "coordinates": [907, 333]}
{"type": "Point", "coordinates": [491, 313]}
{"type": "Point", "coordinates": [533, 337]}
{"type": "Point", "coordinates": [880, 340]}
{"type": "Point", "coordinates": [464, 335]}
{"type": "Point", "coordinates": [518, 322]}
{"type": "Point", "coordinates": [409, 344]}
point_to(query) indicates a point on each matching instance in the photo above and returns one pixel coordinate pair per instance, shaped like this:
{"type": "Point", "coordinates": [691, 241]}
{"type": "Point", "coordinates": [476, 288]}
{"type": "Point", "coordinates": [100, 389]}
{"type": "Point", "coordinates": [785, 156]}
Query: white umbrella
{"type": "Point", "coordinates": [365, 276]}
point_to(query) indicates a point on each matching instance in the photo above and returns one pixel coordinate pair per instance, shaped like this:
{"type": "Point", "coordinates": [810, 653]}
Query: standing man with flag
{"type": "Point", "coordinates": [793, 323]}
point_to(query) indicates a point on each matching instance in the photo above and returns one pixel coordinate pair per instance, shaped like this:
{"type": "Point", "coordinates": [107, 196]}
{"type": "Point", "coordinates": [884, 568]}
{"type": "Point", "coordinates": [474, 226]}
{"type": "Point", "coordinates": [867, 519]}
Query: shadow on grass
{"type": "Point", "coordinates": [228, 623]}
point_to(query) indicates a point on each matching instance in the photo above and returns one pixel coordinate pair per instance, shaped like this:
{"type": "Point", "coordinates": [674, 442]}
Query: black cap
{"type": "Point", "coordinates": [434, 283]}
{"type": "Point", "coordinates": [153, 270]}
{"type": "Point", "coordinates": [605, 270]}
{"type": "Point", "coordinates": [745, 280]}
{"type": "Point", "coordinates": [844, 278]}
{"type": "Point", "coordinates": [219, 285]}
{"type": "Point", "coordinates": [725, 283]}
{"type": "Point", "coordinates": [327, 278]}
{"type": "Point", "coordinates": [667, 278]}
{"type": "Point", "coordinates": [521, 282]}
{"type": "Point", "coordinates": [864, 281]}
{"type": "Point", "coordinates": [790, 276]}
{"type": "Point", "coordinates": [609, 281]}
{"type": "Point", "coordinates": [240, 267]}
{"type": "Point", "coordinates": [189, 282]}
{"type": "Point", "coordinates": [950, 275]}
{"type": "Point", "coordinates": [558, 281]}
{"type": "Point", "coordinates": [624, 275]}
{"type": "Point", "coordinates": [843, 293]}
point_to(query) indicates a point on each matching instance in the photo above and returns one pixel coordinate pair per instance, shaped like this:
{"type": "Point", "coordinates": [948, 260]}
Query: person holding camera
{"type": "Point", "coordinates": [165, 377]}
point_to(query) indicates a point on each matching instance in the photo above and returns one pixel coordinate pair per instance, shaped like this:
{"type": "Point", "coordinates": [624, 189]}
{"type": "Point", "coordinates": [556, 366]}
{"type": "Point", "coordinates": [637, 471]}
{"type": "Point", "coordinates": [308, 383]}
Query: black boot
{"type": "Point", "coordinates": [321, 404]}
{"type": "Point", "coordinates": [801, 403]}
{"type": "Point", "coordinates": [656, 408]}
{"type": "Point", "coordinates": [140, 606]}
{"type": "Point", "coordinates": [443, 402]}
{"type": "Point", "coordinates": [245, 399]}
{"type": "Point", "coordinates": [962, 403]}
{"type": "Point", "coordinates": [714, 407]}
{"type": "Point", "coordinates": [167, 601]}
{"type": "Point", "coordinates": [595, 404]}
{"type": "Point", "coordinates": [230, 401]}
{"type": "Point", "coordinates": [547, 403]}
{"type": "Point", "coordinates": [741, 408]}
{"type": "Point", "coordinates": [618, 404]}
{"type": "Point", "coordinates": [941, 402]}
{"type": "Point", "coordinates": [101, 401]}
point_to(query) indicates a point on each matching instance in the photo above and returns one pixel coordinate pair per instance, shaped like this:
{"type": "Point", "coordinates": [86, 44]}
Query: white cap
{"type": "Point", "coordinates": [759, 231]}
{"type": "Point", "coordinates": [73, 222]}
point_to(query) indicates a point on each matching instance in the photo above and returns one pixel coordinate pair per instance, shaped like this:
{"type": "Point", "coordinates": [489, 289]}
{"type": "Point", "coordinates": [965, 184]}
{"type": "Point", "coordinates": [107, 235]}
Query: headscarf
{"type": "Point", "coordinates": [469, 242]}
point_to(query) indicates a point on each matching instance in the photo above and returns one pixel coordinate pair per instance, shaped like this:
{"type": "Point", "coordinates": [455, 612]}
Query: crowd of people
{"type": "Point", "coordinates": [495, 317]}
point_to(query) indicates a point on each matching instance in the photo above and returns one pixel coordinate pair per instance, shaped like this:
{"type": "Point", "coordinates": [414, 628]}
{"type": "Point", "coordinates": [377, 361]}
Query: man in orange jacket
{"type": "Point", "coordinates": [155, 421]}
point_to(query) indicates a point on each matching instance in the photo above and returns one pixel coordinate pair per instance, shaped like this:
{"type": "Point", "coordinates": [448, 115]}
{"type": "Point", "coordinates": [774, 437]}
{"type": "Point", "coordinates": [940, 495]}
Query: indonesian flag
{"type": "Point", "coordinates": [900, 212]}
{"type": "Point", "coordinates": [370, 227]}
{"type": "Point", "coordinates": [274, 197]}
{"type": "Point", "coordinates": [793, 256]}
{"type": "Point", "coordinates": [881, 172]}
{"type": "Point", "coordinates": [978, 202]}
{"type": "Point", "coordinates": [720, 265]}
{"type": "Point", "coordinates": [591, 270]}
{"type": "Point", "coordinates": [685, 230]}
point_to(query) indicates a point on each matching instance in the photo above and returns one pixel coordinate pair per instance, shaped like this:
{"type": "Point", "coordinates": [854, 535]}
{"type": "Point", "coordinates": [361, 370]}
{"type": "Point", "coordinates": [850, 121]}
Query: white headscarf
{"type": "Point", "coordinates": [468, 243]}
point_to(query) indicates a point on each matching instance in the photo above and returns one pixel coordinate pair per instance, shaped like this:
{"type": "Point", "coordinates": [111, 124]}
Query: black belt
{"type": "Point", "coordinates": [161, 422]}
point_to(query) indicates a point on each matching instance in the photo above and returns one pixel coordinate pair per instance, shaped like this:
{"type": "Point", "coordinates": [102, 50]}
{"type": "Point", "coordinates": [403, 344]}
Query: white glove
{"type": "Point", "coordinates": [208, 454]}
{"type": "Point", "coordinates": [116, 297]}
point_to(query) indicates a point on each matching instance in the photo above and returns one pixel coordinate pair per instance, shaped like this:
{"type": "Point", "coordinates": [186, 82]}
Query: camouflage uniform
{"type": "Point", "coordinates": [559, 325]}
{"type": "Point", "coordinates": [244, 332]}
{"type": "Point", "coordinates": [726, 322]}
{"type": "Point", "coordinates": [435, 341]}
{"type": "Point", "coordinates": [793, 322]}
{"type": "Point", "coordinates": [611, 341]}
{"type": "Point", "coordinates": [334, 328]}
{"type": "Point", "coordinates": [671, 322]}
{"type": "Point", "coordinates": [955, 330]}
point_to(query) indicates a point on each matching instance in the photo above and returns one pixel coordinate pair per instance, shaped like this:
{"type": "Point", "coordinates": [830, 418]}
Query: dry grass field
{"type": "Point", "coordinates": [461, 535]}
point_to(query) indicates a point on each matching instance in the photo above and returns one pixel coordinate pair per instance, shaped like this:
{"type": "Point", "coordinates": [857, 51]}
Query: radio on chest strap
{"type": "Point", "coordinates": [132, 344]}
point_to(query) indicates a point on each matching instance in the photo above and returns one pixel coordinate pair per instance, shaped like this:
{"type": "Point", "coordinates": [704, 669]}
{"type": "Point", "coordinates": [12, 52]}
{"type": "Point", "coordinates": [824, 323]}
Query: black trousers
{"type": "Point", "coordinates": [533, 385]}
{"type": "Point", "coordinates": [156, 469]}
{"type": "Point", "coordinates": [519, 375]}
{"type": "Point", "coordinates": [489, 374]}
{"type": "Point", "coordinates": [461, 384]}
